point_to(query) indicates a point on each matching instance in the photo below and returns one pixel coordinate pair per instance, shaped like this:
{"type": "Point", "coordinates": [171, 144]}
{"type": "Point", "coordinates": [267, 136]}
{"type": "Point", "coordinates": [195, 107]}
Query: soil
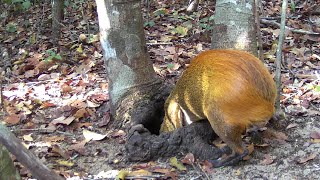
{"type": "Point", "coordinates": [280, 160]}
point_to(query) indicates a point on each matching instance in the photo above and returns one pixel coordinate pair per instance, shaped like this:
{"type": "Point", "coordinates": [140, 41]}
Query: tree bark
{"type": "Point", "coordinates": [7, 169]}
{"type": "Point", "coordinates": [134, 87]}
{"type": "Point", "coordinates": [234, 26]}
{"type": "Point", "coordinates": [25, 157]}
{"type": "Point", "coordinates": [57, 17]}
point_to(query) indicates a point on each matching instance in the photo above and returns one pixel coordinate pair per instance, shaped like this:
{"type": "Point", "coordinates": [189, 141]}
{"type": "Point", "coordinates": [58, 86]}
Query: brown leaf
{"type": "Point", "coordinates": [306, 159]}
{"type": "Point", "coordinates": [105, 120]}
{"type": "Point", "coordinates": [269, 133]}
{"type": "Point", "coordinates": [79, 104]}
{"type": "Point", "coordinates": [292, 125]}
{"type": "Point", "coordinates": [161, 170]}
{"type": "Point", "coordinates": [63, 120]}
{"type": "Point", "coordinates": [54, 138]}
{"type": "Point", "coordinates": [98, 97]}
{"type": "Point", "coordinates": [119, 133]}
{"type": "Point", "coordinates": [46, 105]}
{"type": "Point", "coordinates": [315, 135]}
{"type": "Point", "coordinates": [12, 119]}
{"type": "Point", "coordinates": [81, 113]}
{"type": "Point", "coordinates": [188, 159]}
{"type": "Point", "coordinates": [267, 159]}
{"type": "Point", "coordinates": [207, 167]}
{"type": "Point", "coordinates": [66, 88]}
{"type": "Point", "coordinates": [79, 147]}
{"type": "Point", "coordinates": [140, 172]}
{"type": "Point", "coordinates": [61, 152]}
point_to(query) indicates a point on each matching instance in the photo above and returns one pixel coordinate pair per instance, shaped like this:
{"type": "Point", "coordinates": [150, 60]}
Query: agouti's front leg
{"type": "Point", "coordinates": [231, 135]}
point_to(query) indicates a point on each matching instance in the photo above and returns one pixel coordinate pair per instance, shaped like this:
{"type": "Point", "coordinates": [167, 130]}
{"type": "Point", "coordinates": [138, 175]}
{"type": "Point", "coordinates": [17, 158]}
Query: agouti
{"type": "Point", "coordinates": [230, 88]}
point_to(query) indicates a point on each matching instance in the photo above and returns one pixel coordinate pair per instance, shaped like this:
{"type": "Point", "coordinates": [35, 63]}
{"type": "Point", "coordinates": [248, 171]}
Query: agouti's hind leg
{"type": "Point", "coordinates": [231, 135]}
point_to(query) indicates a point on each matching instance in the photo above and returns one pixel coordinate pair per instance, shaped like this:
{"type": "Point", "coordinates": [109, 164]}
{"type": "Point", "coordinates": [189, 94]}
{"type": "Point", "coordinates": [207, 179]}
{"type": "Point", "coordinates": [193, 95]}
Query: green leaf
{"type": "Point", "coordinates": [293, 6]}
{"type": "Point", "coordinates": [170, 66]}
{"type": "Point", "coordinates": [17, 1]}
{"type": "Point", "coordinates": [317, 89]}
{"type": "Point", "coordinates": [58, 57]}
{"type": "Point", "coordinates": [11, 28]}
{"type": "Point", "coordinates": [183, 31]}
{"type": "Point", "coordinates": [175, 163]}
{"type": "Point", "coordinates": [149, 23]}
{"type": "Point", "coordinates": [26, 5]}
{"type": "Point", "coordinates": [160, 11]}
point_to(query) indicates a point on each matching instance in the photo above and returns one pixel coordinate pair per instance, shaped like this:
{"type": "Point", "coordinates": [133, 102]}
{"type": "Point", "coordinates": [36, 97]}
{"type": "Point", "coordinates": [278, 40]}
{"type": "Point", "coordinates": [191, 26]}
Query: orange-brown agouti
{"type": "Point", "coordinates": [230, 88]}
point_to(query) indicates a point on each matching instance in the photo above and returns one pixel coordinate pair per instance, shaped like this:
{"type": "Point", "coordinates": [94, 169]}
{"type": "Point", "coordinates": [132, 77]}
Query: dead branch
{"type": "Point", "coordinates": [299, 31]}
{"type": "Point", "coordinates": [25, 157]}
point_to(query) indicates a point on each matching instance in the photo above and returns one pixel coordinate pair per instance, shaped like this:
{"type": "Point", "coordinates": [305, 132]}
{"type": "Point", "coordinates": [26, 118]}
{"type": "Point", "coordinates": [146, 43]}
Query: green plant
{"type": "Point", "coordinates": [11, 27]}
{"type": "Point", "coordinates": [23, 4]}
{"type": "Point", "coordinates": [52, 55]}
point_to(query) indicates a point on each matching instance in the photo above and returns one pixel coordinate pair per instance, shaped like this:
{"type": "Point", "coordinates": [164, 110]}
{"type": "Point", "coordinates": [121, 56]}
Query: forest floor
{"type": "Point", "coordinates": [56, 98]}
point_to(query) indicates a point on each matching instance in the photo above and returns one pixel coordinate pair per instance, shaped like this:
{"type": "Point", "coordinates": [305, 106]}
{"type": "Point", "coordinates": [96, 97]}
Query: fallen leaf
{"type": "Point", "coordinates": [79, 104]}
{"type": "Point", "coordinates": [175, 163]}
{"type": "Point", "coordinates": [122, 174]}
{"type": "Point", "coordinates": [79, 147]}
{"type": "Point", "coordinates": [140, 172]}
{"type": "Point", "coordinates": [292, 125]}
{"type": "Point", "coordinates": [12, 119]}
{"type": "Point", "coordinates": [65, 163]}
{"type": "Point", "coordinates": [88, 135]}
{"type": "Point", "coordinates": [207, 167]}
{"type": "Point", "coordinates": [28, 137]}
{"type": "Point", "coordinates": [66, 88]}
{"type": "Point", "coordinates": [315, 135]}
{"type": "Point", "coordinates": [111, 174]}
{"type": "Point", "coordinates": [188, 159]}
{"type": "Point", "coordinates": [306, 159]}
{"type": "Point", "coordinates": [81, 113]}
{"type": "Point", "coordinates": [238, 172]}
{"type": "Point", "coordinates": [104, 121]}
{"type": "Point", "coordinates": [267, 159]}
{"type": "Point", "coordinates": [119, 133]}
{"type": "Point", "coordinates": [92, 104]}
{"type": "Point", "coordinates": [61, 152]}
{"type": "Point", "coordinates": [315, 141]}
{"type": "Point", "coordinates": [46, 105]}
{"type": "Point", "coordinates": [63, 120]}
{"type": "Point", "coordinates": [54, 138]}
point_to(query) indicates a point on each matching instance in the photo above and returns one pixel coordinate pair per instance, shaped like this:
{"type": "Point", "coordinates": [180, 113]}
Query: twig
{"type": "Point", "coordinates": [43, 130]}
{"type": "Point", "coordinates": [279, 53]}
{"type": "Point", "coordinates": [299, 31]}
{"type": "Point", "coordinates": [207, 176]}
{"type": "Point", "coordinates": [160, 43]}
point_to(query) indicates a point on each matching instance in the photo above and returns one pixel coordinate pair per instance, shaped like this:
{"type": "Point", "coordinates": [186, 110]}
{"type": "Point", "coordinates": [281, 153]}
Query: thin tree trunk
{"type": "Point", "coordinates": [57, 17]}
{"type": "Point", "coordinates": [279, 54]}
{"type": "Point", "coordinates": [234, 26]}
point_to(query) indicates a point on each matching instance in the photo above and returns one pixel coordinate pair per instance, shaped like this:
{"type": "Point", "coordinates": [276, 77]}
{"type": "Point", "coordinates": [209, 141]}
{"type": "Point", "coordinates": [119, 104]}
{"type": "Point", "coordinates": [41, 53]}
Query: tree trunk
{"type": "Point", "coordinates": [234, 26]}
{"type": "Point", "coordinates": [7, 169]}
{"type": "Point", "coordinates": [57, 17]}
{"type": "Point", "coordinates": [134, 87]}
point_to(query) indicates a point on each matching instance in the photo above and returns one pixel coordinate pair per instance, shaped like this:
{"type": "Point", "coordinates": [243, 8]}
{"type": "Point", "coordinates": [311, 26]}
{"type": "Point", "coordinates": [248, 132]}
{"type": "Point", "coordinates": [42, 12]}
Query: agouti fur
{"type": "Point", "coordinates": [230, 88]}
